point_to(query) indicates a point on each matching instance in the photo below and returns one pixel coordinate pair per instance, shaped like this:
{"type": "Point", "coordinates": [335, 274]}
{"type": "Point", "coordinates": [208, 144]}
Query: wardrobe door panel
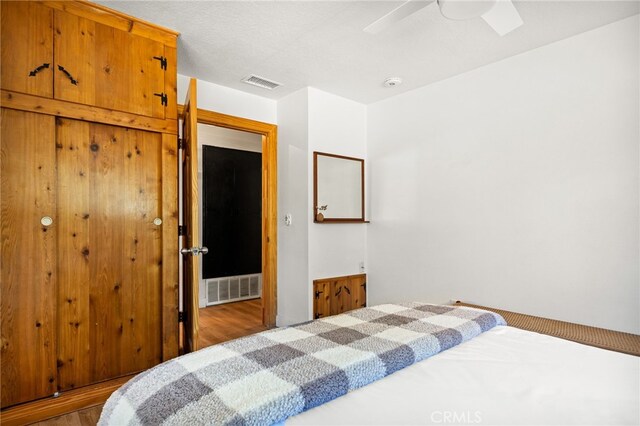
{"type": "Point", "coordinates": [110, 274]}
{"type": "Point", "coordinates": [27, 48]}
{"type": "Point", "coordinates": [28, 245]}
{"type": "Point", "coordinates": [107, 67]}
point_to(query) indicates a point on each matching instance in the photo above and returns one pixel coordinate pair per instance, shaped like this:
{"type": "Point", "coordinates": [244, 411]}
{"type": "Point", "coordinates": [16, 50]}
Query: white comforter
{"type": "Point", "coordinates": [505, 376]}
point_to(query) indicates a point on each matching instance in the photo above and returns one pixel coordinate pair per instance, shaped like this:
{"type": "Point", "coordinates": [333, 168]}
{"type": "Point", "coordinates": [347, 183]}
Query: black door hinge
{"type": "Point", "coordinates": [181, 316]}
{"type": "Point", "coordinates": [318, 293]}
{"type": "Point", "coordinates": [180, 143]}
{"type": "Point", "coordinates": [317, 316]}
{"type": "Point", "coordinates": [163, 98]}
{"type": "Point", "coordinates": [182, 230]}
{"type": "Point", "coordinates": [163, 61]}
{"type": "Point", "coordinates": [364, 286]}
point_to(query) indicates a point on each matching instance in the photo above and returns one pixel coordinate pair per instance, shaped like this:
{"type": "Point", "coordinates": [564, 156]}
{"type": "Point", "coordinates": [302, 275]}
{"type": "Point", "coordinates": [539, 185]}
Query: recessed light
{"type": "Point", "coordinates": [392, 82]}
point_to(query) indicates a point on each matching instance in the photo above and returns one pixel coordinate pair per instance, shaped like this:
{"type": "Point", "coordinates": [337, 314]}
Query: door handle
{"type": "Point", "coordinates": [194, 251]}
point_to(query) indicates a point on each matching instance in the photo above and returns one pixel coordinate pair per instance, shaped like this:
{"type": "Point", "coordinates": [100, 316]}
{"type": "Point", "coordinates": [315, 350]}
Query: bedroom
{"type": "Point", "coordinates": [487, 175]}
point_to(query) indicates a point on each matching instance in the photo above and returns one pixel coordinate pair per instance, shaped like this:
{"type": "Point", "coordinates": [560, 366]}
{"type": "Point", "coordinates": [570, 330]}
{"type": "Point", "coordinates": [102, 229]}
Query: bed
{"type": "Point", "coordinates": [494, 374]}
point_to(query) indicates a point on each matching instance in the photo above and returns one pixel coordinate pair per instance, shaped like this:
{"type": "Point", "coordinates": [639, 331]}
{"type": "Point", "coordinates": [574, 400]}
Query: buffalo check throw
{"type": "Point", "coordinates": [267, 377]}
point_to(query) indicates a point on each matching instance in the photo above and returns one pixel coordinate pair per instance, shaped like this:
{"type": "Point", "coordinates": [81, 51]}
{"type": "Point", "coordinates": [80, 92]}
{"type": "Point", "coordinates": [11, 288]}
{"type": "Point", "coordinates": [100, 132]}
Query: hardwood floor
{"type": "Point", "coordinates": [217, 324]}
{"type": "Point", "coordinates": [87, 417]}
{"type": "Point", "coordinates": [230, 321]}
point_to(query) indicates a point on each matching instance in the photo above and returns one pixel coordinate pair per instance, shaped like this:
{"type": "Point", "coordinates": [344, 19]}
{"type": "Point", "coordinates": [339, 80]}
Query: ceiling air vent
{"type": "Point", "coordinates": [261, 82]}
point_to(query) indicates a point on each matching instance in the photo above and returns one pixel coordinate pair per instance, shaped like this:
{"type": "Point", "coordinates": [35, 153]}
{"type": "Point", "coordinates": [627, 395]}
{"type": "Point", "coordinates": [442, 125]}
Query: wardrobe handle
{"type": "Point", "coordinates": [37, 70]}
{"type": "Point", "coordinates": [71, 79]}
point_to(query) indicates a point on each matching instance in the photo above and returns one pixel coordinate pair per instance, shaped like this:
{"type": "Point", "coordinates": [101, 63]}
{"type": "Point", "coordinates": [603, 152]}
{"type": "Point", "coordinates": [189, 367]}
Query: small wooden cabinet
{"type": "Point", "coordinates": [333, 296]}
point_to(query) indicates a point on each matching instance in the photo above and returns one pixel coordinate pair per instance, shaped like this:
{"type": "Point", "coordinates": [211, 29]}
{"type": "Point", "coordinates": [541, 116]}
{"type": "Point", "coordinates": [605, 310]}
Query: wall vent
{"type": "Point", "coordinates": [233, 289]}
{"type": "Point", "coordinates": [261, 82]}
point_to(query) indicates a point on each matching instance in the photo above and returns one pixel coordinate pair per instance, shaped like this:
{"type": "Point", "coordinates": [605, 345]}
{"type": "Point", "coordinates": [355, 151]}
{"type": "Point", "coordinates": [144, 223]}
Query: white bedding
{"type": "Point", "coordinates": [505, 376]}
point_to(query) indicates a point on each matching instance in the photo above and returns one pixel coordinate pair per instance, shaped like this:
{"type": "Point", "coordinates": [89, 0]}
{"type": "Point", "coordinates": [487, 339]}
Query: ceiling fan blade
{"type": "Point", "coordinates": [503, 17]}
{"type": "Point", "coordinates": [405, 9]}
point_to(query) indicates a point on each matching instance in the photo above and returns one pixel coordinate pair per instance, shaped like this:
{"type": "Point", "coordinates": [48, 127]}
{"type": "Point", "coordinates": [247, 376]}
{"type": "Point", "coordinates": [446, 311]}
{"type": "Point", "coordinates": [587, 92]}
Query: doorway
{"type": "Point", "coordinates": [230, 179]}
{"type": "Point", "coordinates": [192, 251]}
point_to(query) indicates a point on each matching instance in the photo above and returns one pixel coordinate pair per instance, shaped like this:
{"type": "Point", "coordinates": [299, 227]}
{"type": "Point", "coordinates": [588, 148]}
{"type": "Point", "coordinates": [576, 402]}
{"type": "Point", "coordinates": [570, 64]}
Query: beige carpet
{"type": "Point", "coordinates": [599, 337]}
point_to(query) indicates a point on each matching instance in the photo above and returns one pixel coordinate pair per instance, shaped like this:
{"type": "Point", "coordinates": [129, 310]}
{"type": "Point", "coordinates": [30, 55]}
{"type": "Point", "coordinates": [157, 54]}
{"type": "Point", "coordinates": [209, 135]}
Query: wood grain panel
{"type": "Point", "coordinates": [28, 185]}
{"type": "Point", "coordinates": [74, 251]}
{"type": "Point", "coordinates": [25, 102]}
{"type": "Point", "coordinates": [75, 47]}
{"type": "Point", "coordinates": [171, 82]}
{"type": "Point", "coordinates": [141, 325]}
{"type": "Point", "coordinates": [116, 19]}
{"type": "Point", "coordinates": [111, 195]}
{"type": "Point", "coordinates": [342, 298]}
{"type": "Point", "coordinates": [70, 401]}
{"type": "Point", "coordinates": [170, 249]}
{"type": "Point", "coordinates": [191, 268]}
{"type": "Point", "coordinates": [27, 43]}
{"type": "Point", "coordinates": [321, 299]}
{"type": "Point", "coordinates": [339, 294]}
{"type": "Point", "coordinates": [357, 286]}
{"type": "Point", "coordinates": [94, 54]}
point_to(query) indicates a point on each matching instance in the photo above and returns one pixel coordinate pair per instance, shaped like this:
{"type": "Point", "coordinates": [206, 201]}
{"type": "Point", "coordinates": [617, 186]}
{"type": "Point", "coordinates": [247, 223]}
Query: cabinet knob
{"type": "Point", "coordinates": [46, 221]}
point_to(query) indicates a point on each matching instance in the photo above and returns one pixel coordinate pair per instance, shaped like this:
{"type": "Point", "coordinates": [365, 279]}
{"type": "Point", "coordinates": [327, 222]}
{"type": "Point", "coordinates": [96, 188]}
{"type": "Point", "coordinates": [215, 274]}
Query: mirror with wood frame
{"type": "Point", "coordinates": [338, 188]}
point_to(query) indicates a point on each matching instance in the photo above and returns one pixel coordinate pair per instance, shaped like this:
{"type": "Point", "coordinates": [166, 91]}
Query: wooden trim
{"type": "Point", "coordinates": [23, 102]}
{"type": "Point", "coordinates": [115, 19]}
{"type": "Point", "coordinates": [345, 277]}
{"type": "Point", "coordinates": [603, 338]}
{"type": "Point", "coordinates": [269, 134]}
{"type": "Point", "coordinates": [315, 190]}
{"type": "Point", "coordinates": [190, 212]}
{"type": "Point", "coordinates": [67, 402]}
{"type": "Point", "coordinates": [170, 327]}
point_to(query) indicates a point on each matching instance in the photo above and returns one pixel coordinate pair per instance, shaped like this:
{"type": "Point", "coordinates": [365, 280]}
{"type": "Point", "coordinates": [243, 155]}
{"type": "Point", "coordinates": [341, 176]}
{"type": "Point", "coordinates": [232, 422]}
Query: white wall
{"type": "Point", "coordinates": [336, 126]}
{"type": "Point", "coordinates": [293, 241]}
{"type": "Point", "coordinates": [311, 120]}
{"type": "Point", "coordinates": [515, 185]}
{"type": "Point", "coordinates": [223, 99]}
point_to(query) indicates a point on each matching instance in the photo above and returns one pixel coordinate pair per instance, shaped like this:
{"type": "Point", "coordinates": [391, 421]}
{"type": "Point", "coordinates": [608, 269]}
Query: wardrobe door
{"type": "Point", "coordinates": [28, 245]}
{"type": "Point", "coordinates": [110, 251]}
{"type": "Point", "coordinates": [102, 66]}
{"type": "Point", "coordinates": [27, 48]}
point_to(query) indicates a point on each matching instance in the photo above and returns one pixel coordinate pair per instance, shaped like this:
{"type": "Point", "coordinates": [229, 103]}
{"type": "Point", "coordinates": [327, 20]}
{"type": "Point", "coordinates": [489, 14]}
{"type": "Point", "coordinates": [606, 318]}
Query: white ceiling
{"type": "Point", "coordinates": [321, 43]}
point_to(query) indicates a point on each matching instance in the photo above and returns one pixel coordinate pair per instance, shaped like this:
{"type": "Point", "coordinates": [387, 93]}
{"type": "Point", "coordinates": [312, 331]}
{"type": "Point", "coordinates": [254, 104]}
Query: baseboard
{"type": "Point", "coordinates": [67, 402]}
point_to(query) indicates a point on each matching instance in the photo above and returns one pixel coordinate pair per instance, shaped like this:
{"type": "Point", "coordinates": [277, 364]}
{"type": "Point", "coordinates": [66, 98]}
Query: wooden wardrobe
{"type": "Point", "coordinates": [89, 214]}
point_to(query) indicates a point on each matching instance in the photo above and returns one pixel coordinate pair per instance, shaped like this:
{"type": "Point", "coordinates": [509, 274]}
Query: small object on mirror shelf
{"type": "Point", "coordinates": [320, 216]}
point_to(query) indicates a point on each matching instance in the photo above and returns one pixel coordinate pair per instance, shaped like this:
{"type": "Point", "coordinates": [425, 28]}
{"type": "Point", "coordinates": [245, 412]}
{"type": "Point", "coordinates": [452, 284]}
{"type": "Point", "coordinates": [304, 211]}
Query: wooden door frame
{"type": "Point", "coordinates": [269, 133]}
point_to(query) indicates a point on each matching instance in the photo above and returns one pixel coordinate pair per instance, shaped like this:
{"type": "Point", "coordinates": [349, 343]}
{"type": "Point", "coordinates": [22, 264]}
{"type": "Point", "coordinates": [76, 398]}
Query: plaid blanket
{"type": "Point", "coordinates": [267, 377]}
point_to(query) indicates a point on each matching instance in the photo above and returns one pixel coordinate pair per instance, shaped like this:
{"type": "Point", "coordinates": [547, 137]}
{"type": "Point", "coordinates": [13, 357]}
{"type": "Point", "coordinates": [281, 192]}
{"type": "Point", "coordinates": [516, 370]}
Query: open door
{"type": "Point", "coordinates": [191, 237]}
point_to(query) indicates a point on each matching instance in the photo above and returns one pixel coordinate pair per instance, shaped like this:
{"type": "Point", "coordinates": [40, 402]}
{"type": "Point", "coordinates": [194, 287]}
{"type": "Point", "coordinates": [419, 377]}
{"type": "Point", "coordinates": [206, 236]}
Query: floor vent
{"type": "Point", "coordinates": [231, 289]}
{"type": "Point", "coordinates": [261, 82]}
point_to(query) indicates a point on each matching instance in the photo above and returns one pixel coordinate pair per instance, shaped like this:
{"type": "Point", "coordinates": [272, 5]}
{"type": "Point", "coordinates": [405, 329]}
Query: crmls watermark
{"type": "Point", "coordinates": [456, 417]}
